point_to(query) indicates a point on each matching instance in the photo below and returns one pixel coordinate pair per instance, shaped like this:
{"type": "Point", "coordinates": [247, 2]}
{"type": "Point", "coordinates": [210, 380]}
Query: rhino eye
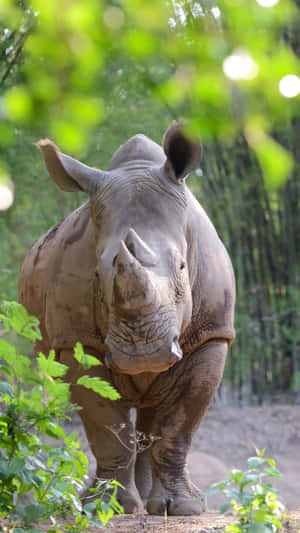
{"type": "Point", "coordinates": [182, 265]}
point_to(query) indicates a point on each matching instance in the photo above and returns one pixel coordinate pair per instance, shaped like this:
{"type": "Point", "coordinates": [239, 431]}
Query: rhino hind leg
{"type": "Point", "coordinates": [109, 431]}
{"type": "Point", "coordinates": [175, 422]}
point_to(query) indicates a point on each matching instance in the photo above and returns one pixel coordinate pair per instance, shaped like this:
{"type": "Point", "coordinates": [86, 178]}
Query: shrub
{"type": "Point", "coordinates": [33, 402]}
{"type": "Point", "coordinates": [253, 501]}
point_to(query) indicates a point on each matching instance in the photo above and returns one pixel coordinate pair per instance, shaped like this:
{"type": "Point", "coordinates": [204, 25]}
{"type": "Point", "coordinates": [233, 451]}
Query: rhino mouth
{"type": "Point", "coordinates": [137, 364]}
{"type": "Point", "coordinates": [143, 345]}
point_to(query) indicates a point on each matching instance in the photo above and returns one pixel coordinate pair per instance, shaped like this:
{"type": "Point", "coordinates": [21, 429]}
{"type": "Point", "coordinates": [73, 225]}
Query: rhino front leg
{"type": "Point", "coordinates": [109, 431]}
{"type": "Point", "coordinates": [175, 422]}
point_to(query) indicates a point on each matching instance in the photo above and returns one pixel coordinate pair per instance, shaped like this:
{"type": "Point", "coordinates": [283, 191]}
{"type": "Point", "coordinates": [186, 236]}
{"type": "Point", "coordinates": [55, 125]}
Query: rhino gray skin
{"type": "Point", "coordinates": [140, 277]}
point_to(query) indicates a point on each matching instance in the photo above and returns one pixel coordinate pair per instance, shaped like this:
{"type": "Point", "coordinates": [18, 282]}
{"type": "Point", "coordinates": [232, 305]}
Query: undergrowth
{"type": "Point", "coordinates": [42, 469]}
{"type": "Point", "coordinates": [252, 499]}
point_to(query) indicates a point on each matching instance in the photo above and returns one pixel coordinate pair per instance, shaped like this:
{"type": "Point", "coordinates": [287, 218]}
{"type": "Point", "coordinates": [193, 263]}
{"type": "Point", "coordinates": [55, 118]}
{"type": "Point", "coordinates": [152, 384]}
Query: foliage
{"type": "Point", "coordinates": [260, 230]}
{"type": "Point", "coordinates": [258, 508]}
{"type": "Point", "coordinates": [153, 66]}
{"type": "Point", "coordinates": [34, 400]}
{"type": "Point", "coordinates": [55, 53]}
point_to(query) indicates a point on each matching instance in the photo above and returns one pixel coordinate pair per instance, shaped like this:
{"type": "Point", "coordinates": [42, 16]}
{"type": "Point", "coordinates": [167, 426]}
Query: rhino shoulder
{"type": "Point", "coordinates": [212, 280]}
{"type": "Point", "coordinates": [57, 279]}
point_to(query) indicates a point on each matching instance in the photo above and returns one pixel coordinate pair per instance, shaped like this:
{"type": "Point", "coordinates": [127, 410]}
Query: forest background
{"type": "Point", "coordinates": [90, 74]}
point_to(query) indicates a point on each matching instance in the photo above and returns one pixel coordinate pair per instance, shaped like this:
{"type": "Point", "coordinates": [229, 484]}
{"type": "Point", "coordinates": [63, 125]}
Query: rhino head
{"type": "Point", "coordinates": [140, 220]}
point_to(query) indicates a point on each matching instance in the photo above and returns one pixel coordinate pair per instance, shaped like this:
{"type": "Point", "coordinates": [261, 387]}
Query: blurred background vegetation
{"type": "Point", "coordinates": [91, 73]}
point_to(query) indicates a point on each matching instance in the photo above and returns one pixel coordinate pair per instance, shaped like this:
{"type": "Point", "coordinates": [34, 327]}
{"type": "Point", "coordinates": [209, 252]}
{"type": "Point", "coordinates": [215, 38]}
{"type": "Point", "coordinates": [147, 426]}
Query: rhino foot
{"type": "Point", "coordinates": [130, 502]}
{"type": "Point", "coordinates": [184, 506]}
{"type": "Point", "coordinates": [178, 506]}
{"type": "Point", "coordinates": [185, 502]}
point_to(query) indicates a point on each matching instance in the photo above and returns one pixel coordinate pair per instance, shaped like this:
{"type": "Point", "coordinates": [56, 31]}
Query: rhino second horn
{"type": "Point", "coordinates": [133, 288]}
{"type": "Point", "coordinates": [141, 251]}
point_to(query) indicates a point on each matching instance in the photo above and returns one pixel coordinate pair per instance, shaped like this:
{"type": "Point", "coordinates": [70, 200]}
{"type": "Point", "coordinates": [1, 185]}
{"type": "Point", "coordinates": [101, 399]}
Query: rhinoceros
{"type": "Point", "coordinates": [140, 277]}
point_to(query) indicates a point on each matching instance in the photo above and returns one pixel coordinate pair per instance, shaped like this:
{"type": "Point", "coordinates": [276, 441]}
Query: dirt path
{"type": "Point", "coordinates": [208, 522]}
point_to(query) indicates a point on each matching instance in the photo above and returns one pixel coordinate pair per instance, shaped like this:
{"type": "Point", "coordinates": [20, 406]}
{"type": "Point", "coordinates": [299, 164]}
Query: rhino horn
{"type": "Point", "coordinates": [133, 288]}
{"type": "Point", "coordinates": [141, 251]}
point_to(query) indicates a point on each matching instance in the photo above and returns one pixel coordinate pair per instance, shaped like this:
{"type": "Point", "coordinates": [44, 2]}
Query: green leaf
{"type": "Point", "coordinates": [271, 462]}
{"type": "Point", "coordinates": [234, 528]}
{"type": "Point", "coordinates": [89, 508]}
{"type": "Point", "coordinates": [27, 477]}
{"type": "Point", "coordinates": [7, 352]}
{"type": "Point", "coordinates": [87, 361]}
{"type": "Point", "coordinates": [6, 389]}
{"type": "Point", "coordinates": [250, 477]}
{"type": "Point", "coordinates": [210, 491]}
{"type": "Point", "coordinates": [254, 462]}
{"type": "Point", "coordinates": [81, 463]}
{"type": "Point", "coordinates": [259, 452]}
{"type": "Point", "coordinates": [237, 475]}
{"type": "Point", "coordinates": [49, 366]}
{"type": "Point", "coordinates": [71, 439]}
{"type": "Point", "coordinates": [33, 512]}
{"type": "Point", "coordinates": [101, 387]}
{"type": "Point", "coordinates": [5, 369]}
{"type": "Point", "coordinates": [259, 528]}
{"type": "Point", "coordinates": [52, 430]}
{"type": "Point", "coordinates": [4, 469]}
{"type": "Point", "coordinates": [276, 522]}
{"type": "Point", "coordinates": [232, 493]}
{"type": "Point", "coordinates": [16, 465]}
{"type": "Point", "coordinates": [246, 498]}
{"type": "Point", "coordinates": [260, 515]}
{"type": "Point", "coordinates": [38, 480]}
{"type": "Point", "coordinates": [225, 507]}
{"type": "Point", "coordinates": [16, 316]}
{"type": "Point", "coordinates": [273, 472]}
{"type": "Point", "coordinates": [18, 104]}
{"type": "Point", "coordinates": [276, 162]}
{"type": "Point", "coordinates": [222, 484]}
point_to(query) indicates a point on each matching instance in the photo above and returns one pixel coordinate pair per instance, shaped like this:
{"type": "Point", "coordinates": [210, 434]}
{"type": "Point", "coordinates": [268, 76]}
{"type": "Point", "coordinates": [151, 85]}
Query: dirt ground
{"type": "Point", "coordinates": [208, 522]}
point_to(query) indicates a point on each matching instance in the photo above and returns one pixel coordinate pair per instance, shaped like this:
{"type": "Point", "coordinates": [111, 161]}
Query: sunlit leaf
{"type": "Point", "coordinates": [101, 387]}
{"type": "Point", "coordinates": [17, 104]}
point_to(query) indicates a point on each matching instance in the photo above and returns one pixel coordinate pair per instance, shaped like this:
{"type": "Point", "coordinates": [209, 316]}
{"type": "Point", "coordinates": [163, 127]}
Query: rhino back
{"type": "Point", "coordinates": [212, 281]}
{"type": "Point", "coordinates": [57, 281]}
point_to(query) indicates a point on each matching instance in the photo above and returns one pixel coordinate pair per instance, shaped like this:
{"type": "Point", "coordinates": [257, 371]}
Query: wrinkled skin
{"type": "Point", "coordinates": [140, 277]}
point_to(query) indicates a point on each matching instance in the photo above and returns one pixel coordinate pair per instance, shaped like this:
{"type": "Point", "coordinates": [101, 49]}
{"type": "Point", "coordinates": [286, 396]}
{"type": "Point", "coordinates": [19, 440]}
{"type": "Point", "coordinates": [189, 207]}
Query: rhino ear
{"type": "Point", "coordinates": [183, 154]}
{"type": "Point", "coordinates": [69, 174]}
